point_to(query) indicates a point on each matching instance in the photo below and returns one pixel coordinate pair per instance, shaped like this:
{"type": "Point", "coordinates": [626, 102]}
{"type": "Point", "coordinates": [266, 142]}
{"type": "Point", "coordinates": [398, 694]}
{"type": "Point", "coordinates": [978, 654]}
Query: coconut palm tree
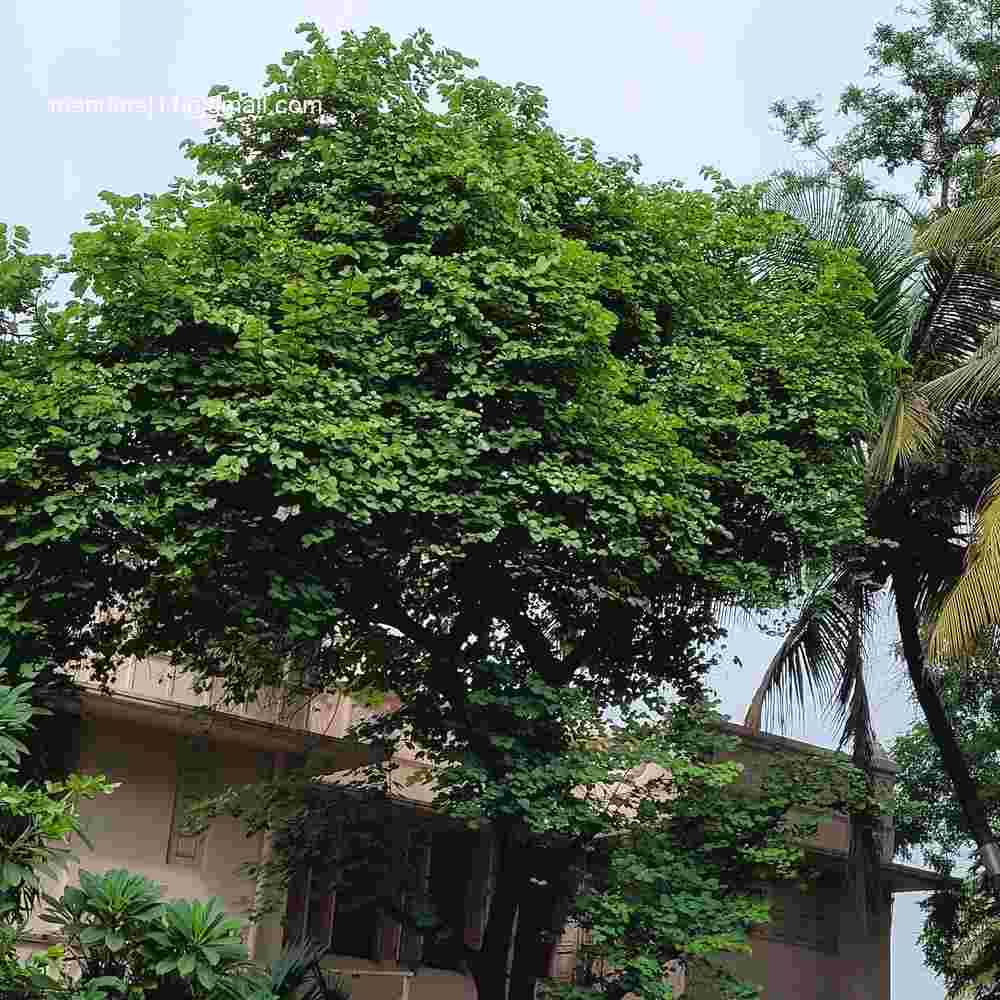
{"type": "Point", "coordinates": [930, 309]}
{"type": "Point", "coordinates": [968, 610]}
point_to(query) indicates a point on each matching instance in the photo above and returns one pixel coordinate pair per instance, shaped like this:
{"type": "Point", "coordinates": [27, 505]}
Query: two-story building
{"type": "Point", "coordinates": [165, 744]}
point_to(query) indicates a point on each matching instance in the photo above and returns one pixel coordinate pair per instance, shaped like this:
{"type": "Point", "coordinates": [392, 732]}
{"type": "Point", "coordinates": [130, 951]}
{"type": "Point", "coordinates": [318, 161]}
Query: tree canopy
{"type": "Point", "coordinates": [417, 366]}
{"type": "Point", "coordinates": [406, 391]}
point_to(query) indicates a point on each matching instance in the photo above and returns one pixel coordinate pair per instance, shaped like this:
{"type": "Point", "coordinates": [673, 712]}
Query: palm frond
{"type": "Point", "coordinates": [852, 707]}
{"type": "Point", "coordinates": [972, 230]}
{"type": "Point", "coordinates": [881, 239]}
{"type": "Point", "coordinates": [973, 381]}
{"type": "Point", "coordinates": [810, 658]}
{"type": "Point", "coordinates": [941, 566]}
{"type": "Point", "coordinates": [297, 973]}
{"type": "Point", "coordinates": [732, 612]}
{"type": "Point", "coordinates": [910, 430]}
{"type": "Point", "coordinates": [960, 303]}
{"type": "Point", "coordinates": [973, 603]}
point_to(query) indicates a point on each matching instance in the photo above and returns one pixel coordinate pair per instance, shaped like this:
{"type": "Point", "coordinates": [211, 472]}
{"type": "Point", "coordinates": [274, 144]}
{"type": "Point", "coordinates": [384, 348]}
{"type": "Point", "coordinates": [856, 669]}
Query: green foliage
{"type": "Point", "coordinates": [126, 940]}
{"type": "Point", "coordinates": [297, 973]}
{"type": "Point", "coordinates": [683, 879]}
{"type": "Point", "coordinates": [197, 944]}
{"type": "Point", "coordinates": [117, 931]}
{"type": "Point", "coordinates": [411, 364]}
{"type": "Point", "coordinates": [645, 817]}
{"type": "Point", "coordinates": [24, 277]}
{"type": "Point", "coordinates": [35, 818]}
{"type": "Point", "coordinates": [961, 941]}
{"type": "Point", "coordinates": [928, 818]}
{"type": "Point", "coordinates": [932, 105]}
{"type": "Point", "coordinates": [104, 916]}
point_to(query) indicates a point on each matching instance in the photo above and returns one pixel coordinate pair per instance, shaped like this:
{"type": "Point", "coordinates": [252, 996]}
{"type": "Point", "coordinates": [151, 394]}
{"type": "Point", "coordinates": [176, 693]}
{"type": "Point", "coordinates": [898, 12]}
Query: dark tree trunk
{"type": "Point", "coordinates": [530, 947]}
{"type": "Point", "coordinates": [491, 966]}
{"type": "Point", "coordinates": [941, 729]}
{"type": "Point", "coordinates": [543, 919]}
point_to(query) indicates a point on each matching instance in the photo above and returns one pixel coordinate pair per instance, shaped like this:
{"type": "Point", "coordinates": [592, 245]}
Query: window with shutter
{"type": "Point", "coordinates": [452, 892]}
{"type": "Point", "coordinates": [805, 918]}
{"type": "Point", "coordinates": [338, 919]}
{"type": "Point", "coordinates": [443, 877]}
{"type": "Point", "coordinates": [414, 896]}
{"type": "Point", "coordinates": [197, 778]}
{"type": "Point", "coordinates": [357, 927]}
{"type": "Point", "coordinates": [297, 906]}
{"type": "Point", "coordinates": [357, 924]}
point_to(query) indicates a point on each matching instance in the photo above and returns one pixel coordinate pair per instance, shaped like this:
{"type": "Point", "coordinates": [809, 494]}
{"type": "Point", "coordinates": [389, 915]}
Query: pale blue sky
{"type": "Point", "coordinates": [681, 84]}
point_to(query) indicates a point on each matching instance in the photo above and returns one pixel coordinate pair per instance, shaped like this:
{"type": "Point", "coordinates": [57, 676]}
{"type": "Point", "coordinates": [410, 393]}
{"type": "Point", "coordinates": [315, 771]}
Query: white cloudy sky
{"type": "Point", "coordinates": [681, 84]}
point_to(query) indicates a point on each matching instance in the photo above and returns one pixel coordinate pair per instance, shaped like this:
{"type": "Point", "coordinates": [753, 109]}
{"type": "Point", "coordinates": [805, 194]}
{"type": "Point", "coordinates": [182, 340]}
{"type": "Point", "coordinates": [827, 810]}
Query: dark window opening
{"type": "Point", "coordinates": [451, 876]}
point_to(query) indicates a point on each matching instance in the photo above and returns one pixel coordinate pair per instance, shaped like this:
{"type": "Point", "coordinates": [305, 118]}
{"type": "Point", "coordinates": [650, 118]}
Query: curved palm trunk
{"type": "Point", "coordinates": [941, 729]}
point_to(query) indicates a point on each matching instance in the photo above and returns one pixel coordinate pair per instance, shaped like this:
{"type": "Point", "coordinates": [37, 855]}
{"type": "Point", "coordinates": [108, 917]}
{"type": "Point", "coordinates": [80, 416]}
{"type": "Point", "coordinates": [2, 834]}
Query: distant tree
{"type": "Point", "coordinates": [935, 105]}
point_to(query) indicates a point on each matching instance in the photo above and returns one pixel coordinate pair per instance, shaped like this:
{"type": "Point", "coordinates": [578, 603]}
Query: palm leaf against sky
{"type": "Point", "coordinates": [824, 651]}
{"type": "Point", "coordinates": [811, 657]}
{"type": "Point", "coordinates": [971, 234]}
{"type": "Point", "coordinates": [882, 239]}
{"type": "Point", "coordinates": [946, 351]}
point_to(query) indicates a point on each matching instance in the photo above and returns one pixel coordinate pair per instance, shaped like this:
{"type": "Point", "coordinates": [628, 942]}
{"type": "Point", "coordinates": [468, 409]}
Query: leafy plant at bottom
{"type": "Point", "coordinates": [104, 919]}
{"type": "Point", "coordinates": [298, 973]}
{"type": "Point", "coordinates": [195, 945]}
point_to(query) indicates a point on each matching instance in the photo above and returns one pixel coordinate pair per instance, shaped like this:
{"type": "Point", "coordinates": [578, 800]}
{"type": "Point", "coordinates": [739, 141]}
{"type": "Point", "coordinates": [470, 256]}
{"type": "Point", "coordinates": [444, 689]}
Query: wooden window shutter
{"type": "Point", "coordinates": [414, 895]}
{"type": "Point", "coordinates": [357, 929]}
{"type": "Point", "coordinates": [322, 901]}
{"type": "Point", "coordinates": [453, 895]}
{"type": "Point", "coordinates": [197, 778]}
{"type": "Point", "coordinates": [297, 907]}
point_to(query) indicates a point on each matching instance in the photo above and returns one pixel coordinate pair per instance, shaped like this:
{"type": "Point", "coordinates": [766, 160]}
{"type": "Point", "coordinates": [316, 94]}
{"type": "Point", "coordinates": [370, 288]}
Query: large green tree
{"type": "Point", "coordinates": [413, 385]}
{"type": "Point", "coordinates": [402, 373]}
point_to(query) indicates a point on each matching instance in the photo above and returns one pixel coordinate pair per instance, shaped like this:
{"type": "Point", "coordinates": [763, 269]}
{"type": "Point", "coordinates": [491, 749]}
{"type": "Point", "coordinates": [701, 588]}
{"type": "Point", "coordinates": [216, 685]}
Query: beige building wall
{"type": "Point", "coordinates": [134, 827]}
{"type": "Point", "coordinates": [141, 736]}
